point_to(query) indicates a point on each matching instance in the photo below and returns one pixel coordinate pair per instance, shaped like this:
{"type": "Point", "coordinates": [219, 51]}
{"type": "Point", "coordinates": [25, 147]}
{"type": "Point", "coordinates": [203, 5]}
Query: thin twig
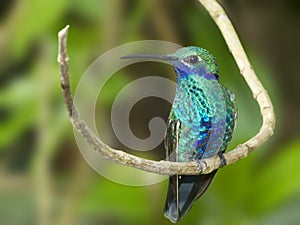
{"type": "Point", "coordinates": [204, 166]}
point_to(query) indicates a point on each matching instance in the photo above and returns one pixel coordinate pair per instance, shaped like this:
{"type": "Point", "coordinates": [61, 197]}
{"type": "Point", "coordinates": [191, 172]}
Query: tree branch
{"type": "Point", "coordinates": [204, 166]}
{"type": "Point", "coordinates": [259, 93]}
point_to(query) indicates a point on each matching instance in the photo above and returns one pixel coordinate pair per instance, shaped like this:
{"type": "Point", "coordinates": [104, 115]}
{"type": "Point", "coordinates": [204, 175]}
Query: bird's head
{"type": "Point", "coordinates": [187, 60]}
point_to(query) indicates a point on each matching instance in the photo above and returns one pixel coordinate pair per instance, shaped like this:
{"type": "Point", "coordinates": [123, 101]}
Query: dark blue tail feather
{"type": "Point", "coordinates": [190, 188]}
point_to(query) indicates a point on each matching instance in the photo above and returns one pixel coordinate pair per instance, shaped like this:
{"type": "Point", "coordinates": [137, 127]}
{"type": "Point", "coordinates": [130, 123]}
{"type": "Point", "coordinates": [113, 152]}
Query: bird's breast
{"type": "Point", "coordinates": [200, 106]}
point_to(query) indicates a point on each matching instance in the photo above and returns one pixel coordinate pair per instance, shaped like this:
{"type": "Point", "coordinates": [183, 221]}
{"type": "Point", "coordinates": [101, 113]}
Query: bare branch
{"type": "Point", "coordinates": [204, 166]}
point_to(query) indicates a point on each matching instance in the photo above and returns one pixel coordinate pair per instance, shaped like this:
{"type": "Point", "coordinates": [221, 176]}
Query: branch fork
{"type": "Point", "coordinates": [203, 166]}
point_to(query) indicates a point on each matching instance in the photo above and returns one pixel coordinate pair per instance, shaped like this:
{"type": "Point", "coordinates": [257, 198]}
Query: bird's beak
{"type": "Point", "coordinates": [169, 58]}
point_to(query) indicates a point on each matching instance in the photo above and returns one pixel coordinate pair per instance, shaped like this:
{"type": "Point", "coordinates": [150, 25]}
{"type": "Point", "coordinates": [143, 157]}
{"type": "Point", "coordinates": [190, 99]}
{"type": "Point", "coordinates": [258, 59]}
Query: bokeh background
{"type": "Point", "coordinates": [43, 177]}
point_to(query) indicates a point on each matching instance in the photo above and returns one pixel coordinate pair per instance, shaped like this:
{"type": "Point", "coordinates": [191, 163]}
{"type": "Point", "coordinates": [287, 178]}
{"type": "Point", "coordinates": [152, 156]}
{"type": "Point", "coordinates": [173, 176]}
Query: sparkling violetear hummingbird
{"type": "Point", "coordinates": [200, 123]}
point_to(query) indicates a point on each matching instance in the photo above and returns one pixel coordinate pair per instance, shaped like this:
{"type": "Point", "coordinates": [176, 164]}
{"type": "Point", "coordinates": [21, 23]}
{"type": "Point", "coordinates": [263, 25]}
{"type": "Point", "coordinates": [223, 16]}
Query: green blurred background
{"type": "Point", "coordinates": [43, 177]}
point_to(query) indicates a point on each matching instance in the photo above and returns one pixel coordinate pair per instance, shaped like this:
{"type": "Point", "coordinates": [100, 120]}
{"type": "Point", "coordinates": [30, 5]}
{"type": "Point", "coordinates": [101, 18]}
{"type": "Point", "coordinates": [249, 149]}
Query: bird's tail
{"type": "Point", "coordinates": [183, 190]}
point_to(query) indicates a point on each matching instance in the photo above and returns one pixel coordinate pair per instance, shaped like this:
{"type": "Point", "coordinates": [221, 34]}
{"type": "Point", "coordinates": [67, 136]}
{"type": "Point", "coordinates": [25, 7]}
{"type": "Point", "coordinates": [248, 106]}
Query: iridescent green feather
{"type": "Point", "coordinates": [231, 111]}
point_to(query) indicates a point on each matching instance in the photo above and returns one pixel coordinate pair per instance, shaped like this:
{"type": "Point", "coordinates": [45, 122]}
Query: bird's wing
{"type": "Point", "coordinates": [171, 146]}
{"type": "Point", "coordinates": [231, 111]}
{"type": "Point", "coordinates": [172, 137]}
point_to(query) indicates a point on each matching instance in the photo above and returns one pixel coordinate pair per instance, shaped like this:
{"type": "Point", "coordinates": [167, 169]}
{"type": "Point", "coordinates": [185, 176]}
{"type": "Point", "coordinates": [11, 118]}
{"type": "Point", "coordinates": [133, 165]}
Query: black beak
{"type": "Point", "coordinates": [149, 56]}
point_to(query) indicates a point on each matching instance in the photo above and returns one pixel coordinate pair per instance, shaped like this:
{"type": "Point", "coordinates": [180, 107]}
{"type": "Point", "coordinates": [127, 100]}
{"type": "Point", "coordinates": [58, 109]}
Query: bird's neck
{"type": "Point", "coordinates": [190, 86]}
{"type": "Point", "coordinates": [182, 74]}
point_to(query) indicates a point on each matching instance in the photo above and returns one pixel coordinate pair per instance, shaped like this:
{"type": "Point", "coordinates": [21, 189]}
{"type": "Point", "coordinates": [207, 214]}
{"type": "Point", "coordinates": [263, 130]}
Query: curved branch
{"type": "Point", "coordinates": [204, 166]}
{"type": "Point", "coordinates": [259, 93]}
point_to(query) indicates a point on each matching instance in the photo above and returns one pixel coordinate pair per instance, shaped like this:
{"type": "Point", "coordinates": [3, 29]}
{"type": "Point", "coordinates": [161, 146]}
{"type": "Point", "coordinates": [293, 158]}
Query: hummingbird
{"type": "Point", "coordinates": [200, 123]}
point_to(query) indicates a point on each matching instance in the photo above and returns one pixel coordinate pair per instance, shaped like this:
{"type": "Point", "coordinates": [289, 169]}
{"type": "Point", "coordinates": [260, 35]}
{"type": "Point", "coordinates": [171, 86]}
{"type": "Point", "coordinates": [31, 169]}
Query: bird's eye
{"type": "Point", "coordinates": [193, 59]}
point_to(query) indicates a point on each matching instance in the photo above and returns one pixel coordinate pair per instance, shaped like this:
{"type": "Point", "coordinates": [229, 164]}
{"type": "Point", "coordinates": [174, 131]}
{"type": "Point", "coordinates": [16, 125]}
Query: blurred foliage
{"type": "Point", "coordinates": [44, 179]}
